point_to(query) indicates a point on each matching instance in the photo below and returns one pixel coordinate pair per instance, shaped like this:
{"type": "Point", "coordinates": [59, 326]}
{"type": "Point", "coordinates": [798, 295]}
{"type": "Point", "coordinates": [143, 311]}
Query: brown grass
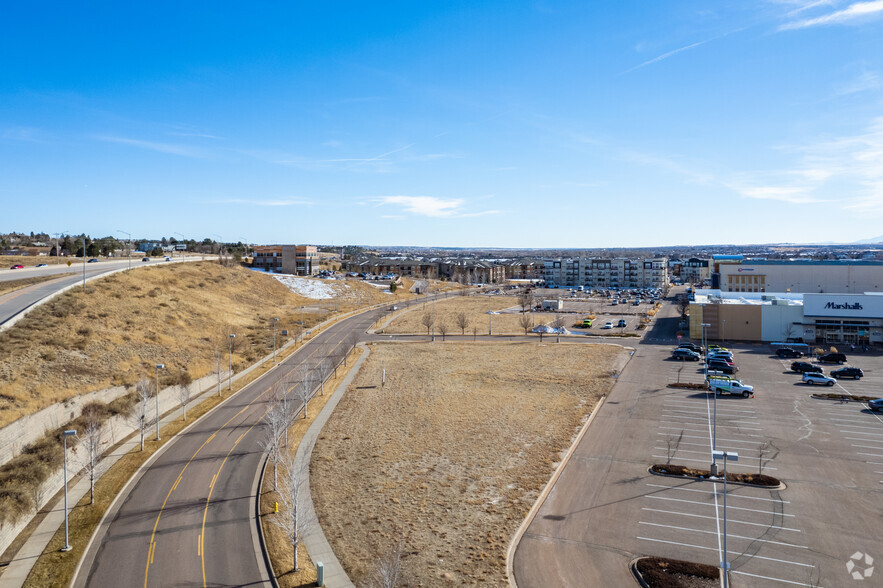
{"type": "Point", "coordinates": [116, 331]}
{"type": "Point", "coordinates": [277, 544]}
{"type": "Point", "coordinates": [451, 453]}
{"type": "Point", "coordinates": [688, 472]}
{"type": "Point", "coordinates": [13, 285]}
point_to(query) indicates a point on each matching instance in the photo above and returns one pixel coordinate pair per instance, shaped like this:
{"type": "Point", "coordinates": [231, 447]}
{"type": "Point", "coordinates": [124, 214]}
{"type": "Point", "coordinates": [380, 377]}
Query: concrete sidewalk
{"type": "Point", "coordinates": [313, 537]}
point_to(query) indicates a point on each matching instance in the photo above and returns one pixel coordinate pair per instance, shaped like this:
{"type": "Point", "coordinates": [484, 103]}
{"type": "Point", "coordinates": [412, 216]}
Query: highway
{"type": "Point", "coordinates": [15, 302]}
{"type": "Point", "coordinates": [188, 518]}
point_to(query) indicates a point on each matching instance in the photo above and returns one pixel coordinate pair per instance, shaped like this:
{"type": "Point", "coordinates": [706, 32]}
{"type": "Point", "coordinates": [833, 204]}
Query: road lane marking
{"type": "Point", "coordinates": [730, 494]}
{"type": "Point", "coordinates": [729, 507]}
{"type": "Point", "coordinates": [199, 545]}
{"type": "Point", "coordinates": [729, 535]}
{"type": "Point", "coordinates": [730, 551]}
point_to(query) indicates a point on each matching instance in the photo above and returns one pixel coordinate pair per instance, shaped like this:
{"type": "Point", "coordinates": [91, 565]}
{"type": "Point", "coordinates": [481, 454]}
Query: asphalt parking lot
{"type": "Point", "coordinates": [607, 509]}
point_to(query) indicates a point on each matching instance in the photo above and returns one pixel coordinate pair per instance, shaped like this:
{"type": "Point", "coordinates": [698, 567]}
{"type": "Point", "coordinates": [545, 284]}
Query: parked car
{"type": "Point", "coordinates": [804, 367]}
{"type": "Point", "coordinates": [17, 266]}
{"type": "Point", "coordinates": [876, 404]}
{"type": "Point", "coordinates": [729, 386]}
{"type": "Point", "coordinates": [691, 347]}
{"type": "Point", "coordinates": [784, 352]}
{"type": "Point", "coordinates": [817, 378]}
{"type": "Point", "coordinates": [145, 259]}
{"type": "Point", "coordinates": [848, 372]}
{"type": "Point", "coordinates": [587, 323]}
{"type": "Point", "coordinates": [724, 354]}
{"type": "Point", "coordinates": [620, 324]}
{"type": "Point", "coordinates": [833, 358]}
{"type": "Point", "coordinates": [721, 366]}
{"type": "Point", "coordinates": [685, 355]}
{"type": "Point", "coordinates": [716, 348]}
{"type": "Point", "coordinates": [41, 265]}
{"type": "Point", "coordinates": [607, 325]}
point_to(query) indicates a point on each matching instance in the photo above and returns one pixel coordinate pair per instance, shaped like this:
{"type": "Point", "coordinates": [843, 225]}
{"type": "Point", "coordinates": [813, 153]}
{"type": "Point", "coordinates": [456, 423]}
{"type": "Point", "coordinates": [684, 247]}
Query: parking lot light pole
{"type": "Point", "coordinates": [129, 248]}
{"type": "Point", "coordinates": [67, 545]}
{"type": "Point", "coordinates": [159, 366]}
{"type": "Point", "coordinates": [725, 457]}
{"type": "Point", "coordinates": [230, 372]}
{"type": "Point", "coordinates": [714, 418]}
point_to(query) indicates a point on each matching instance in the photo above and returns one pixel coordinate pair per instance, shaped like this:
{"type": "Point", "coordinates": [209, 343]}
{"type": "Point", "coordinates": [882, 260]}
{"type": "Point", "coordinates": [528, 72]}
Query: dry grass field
{"type": "Point", "coordinates": [475, 308]}
{"type": "Point", "coordinates": [451, 453]}
{"type": "Point", "coordinates": [122, 325]}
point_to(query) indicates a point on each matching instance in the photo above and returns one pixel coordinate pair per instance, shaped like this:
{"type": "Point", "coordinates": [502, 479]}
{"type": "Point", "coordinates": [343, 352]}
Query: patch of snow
{"type": "Point", "coordinates": [311, 287]}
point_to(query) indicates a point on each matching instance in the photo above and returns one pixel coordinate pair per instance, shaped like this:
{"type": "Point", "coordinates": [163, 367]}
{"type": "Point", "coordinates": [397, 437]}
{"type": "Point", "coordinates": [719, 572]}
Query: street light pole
{"type": "Point", "coordinates": [714, 393]}
{"type": "Point", "coordinates": [57, 250]}
{"type": "Point", "coordinates": [723, 324]}
{"type": "Point", "coordinates": [84, 262]}
{"type": "Point", "coordinates": [275, 320]}
{"type": "Point", "coordinates": [230, 372]}
{"type": "Point", "coordinates": [726, 456]}
{"type": "Point", "coordinates": [67, 545]}
{"type": "Point", "coordinates": [129, 235]}
{"type": "Point", "coordinates": [182, 251]}
{"type": "Point", "coordinates": [159, 366]}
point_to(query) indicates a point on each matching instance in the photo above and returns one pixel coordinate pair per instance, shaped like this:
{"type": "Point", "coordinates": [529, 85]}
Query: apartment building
{"type": "Point", "coordinates": [297, 260]}
{"type": "Point", "coordinates": [606, 273]}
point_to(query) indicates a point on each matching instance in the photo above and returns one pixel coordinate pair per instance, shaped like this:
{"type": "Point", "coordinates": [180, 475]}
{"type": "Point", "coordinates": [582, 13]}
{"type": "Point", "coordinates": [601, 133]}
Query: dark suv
{"type": "Point", "coordinates": [848, 372]}
{"type": "Point", "coordinates": [721, 366]}
{"type": "Point", "coordinates": [691, 347]}
{"type": "Point", "coordinates": [833, 358]}
{"type": "Point", "coordinates": [788, 352]}
{"type": "Point", "coordinates": [803, 367]}
{"type": "Point", "coordinates": [685, 354]}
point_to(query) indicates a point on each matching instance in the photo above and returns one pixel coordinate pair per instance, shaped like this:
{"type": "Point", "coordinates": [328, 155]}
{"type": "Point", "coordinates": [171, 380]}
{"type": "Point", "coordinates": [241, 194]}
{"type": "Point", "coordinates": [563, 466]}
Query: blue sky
{"type": "Point", "coordinates": [456, 123]}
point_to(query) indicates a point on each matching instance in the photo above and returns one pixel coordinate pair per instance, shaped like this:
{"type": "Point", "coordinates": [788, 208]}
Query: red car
{"type": "Point", "coordinates": [17, 266]}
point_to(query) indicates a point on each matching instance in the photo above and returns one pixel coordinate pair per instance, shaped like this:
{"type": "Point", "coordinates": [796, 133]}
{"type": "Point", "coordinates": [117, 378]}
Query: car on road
{"type": "Point", "coordinates": [167, 258]}
{"type": "Point", "coordinates": [833, 358]}
{"type": "Point", "coordinates": [784, 352]}
{"type": "Point", "coordinates": [41, 265]}
{"type": "Point", "coordinates": [145, 259]}
{"type": "Point", "coordinates": [17, 266]}
{"type": "Point", "coordinates": [607, 325]}
{"type": "Point", "coordinates": [93, 260]}
{"type": "Point", "coordinates": [804, 367]}
{"type": "Point", "coordinates": [848, 372]}
{"type": "Point", "coordinates": [721, 366]}
{"type": "Point", "coordinates": [685, 355]}
{"type": "Point", "coordinates": [817, 378]}
{"type": "Point", "coordinates": [876, 404]}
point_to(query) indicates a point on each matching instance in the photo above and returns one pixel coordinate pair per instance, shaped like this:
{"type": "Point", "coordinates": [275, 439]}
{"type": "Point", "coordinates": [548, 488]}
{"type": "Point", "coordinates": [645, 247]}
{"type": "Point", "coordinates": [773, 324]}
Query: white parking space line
{"type": "Point", "coordinates": [708, 453]}
{"type": "Point", "coordinates": [772, 579]}
{"type": "Point", "coordinates": [729, 495]}
{"type": "Point", "coordinates": [702, 406]}
{"type": "Point", "coordinates": [722, 439]}
{"type": "Point", "coordinates": [870, 454]}
{"type": "Point", "coordinates": [726, 419]}
{"type": "Point", "coordinates": [723, 426]}
{"type": "Point", "coordinates": [737, 553]}
{"type": "Point", "coordinates": [867, 446]}
{"type": "Point", "coordinates": [729, 520]}
{"type": "Point", "coordinates": [848, 426]}
{"type": "Point", "coordinates": [880, 435]}
{"type": "Point", "coordinates": [729, 535]}
{"type": "Point", "coordinates": [729, 507]}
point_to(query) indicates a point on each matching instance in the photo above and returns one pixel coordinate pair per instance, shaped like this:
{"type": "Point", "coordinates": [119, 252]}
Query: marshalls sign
{"type": "Point", "coordinates": [843, 305]}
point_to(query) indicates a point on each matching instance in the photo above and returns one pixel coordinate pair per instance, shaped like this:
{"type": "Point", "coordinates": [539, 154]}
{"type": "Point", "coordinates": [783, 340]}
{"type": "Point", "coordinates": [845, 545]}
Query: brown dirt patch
{"type": "Point", "coordinates": [687, 472]}
{"type": "Point", "coordinates": [475, 308]}
{"type": "Point", "coordinates": [674, 573]}
{"type": "Point", "coordinates": [451, 453]}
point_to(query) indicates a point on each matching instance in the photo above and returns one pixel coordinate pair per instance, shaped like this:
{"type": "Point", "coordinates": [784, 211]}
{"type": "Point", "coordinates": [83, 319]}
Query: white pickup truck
{"type": "Point", "coordinates": [720, 385]}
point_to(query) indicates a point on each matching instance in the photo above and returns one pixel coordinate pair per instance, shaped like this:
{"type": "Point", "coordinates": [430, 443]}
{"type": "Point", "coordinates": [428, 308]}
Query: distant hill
{"type": "Point", "coordinates": [869, 241]}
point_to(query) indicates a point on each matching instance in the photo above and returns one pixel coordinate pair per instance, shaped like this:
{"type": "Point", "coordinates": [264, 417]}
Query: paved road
{"type": "Point", "coordinates": [15, 302]}
{"type": "Point", "coordinates": [606, 509]}
{"type": "Point", "coordinates": [188, 519]}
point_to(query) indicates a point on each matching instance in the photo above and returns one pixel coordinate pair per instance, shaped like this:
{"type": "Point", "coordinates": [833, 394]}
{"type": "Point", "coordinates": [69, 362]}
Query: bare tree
{"type": "Point", "coordinates": [184, 398]}
{"type": "Point", "coordinates": [389, 572]}
{"type": "Point", "coordinates": [683, 304]}
{"type": "Point", "coordinates": [525, 322]}
{"type": "Point", "coordinates": [324, 370]}
{"type": "Point", "coordinates": [673, 445]}
{"type": "Point", "coordinates": [526, 301]}
{"type": "Point", "coordinates": [351, 340]}
{"type": "Point", "coordinates": [443, 329]}
{"type": "Point", "coordinates": [290, 518]}
{"type": "Point", "coordinates": [462, 322]}
{"type": "Point", "coordinates": [140, 416]}
{"type": "Point", "coordinates": [276, 423]}
{"type": "Point", "coordinates": [559, 324]}
{"type": "Point", "coordinates": [218, 355]}
{"type": "Point", "coordinates": [766, 453]}
{"type": "Point", "coordinates": [305, 375]}
{"type": "Point", "coordinates": [428, 320]}
{"type": "Point", "coordinates": [90, 443]}
{"type": "Point", "coordinates": [474, 332]}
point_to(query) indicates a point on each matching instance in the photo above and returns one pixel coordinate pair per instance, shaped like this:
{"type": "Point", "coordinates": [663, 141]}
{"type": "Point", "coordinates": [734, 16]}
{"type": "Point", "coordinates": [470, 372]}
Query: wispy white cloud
{"type": "Point", "coordinates": [172, 149]}
{"type": "Point", "coordinates": [864, 82]}
{"type": "Point", "coordinates": [193, 134]}
{"type": "Point", "coordinates": [26, 134]}
{"type": "Point", "coordinates": [857, 12]}
{"type": "Point", "coordinates": [431, 206]}
{"type": "Point", "coordinates": [666, 55]}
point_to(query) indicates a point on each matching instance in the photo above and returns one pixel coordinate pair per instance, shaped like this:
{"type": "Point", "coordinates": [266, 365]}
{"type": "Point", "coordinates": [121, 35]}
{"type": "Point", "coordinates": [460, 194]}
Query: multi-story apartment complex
{"type": "Point", "coordinates": [285, 259]}
{"type": "Point", "coordinates": [607, 273]}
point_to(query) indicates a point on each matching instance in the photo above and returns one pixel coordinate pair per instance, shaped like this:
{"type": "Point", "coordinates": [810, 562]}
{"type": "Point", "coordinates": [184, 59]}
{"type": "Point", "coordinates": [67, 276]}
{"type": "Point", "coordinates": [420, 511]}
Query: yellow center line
{"type": "Point", "coordinates": [152, 545]}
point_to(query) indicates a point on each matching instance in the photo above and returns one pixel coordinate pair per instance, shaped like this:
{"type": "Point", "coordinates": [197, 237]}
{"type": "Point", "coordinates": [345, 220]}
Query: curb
{"type": "Point", "coordinates": [516, 539]}
{"type": "Point", "coordinates": [781, 486]}
{"type": "Point", "coordinates": [260, 540]}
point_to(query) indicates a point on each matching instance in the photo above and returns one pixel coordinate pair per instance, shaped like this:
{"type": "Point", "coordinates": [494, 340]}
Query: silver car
{"type": "Point", "coordinates": [817, 378]}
